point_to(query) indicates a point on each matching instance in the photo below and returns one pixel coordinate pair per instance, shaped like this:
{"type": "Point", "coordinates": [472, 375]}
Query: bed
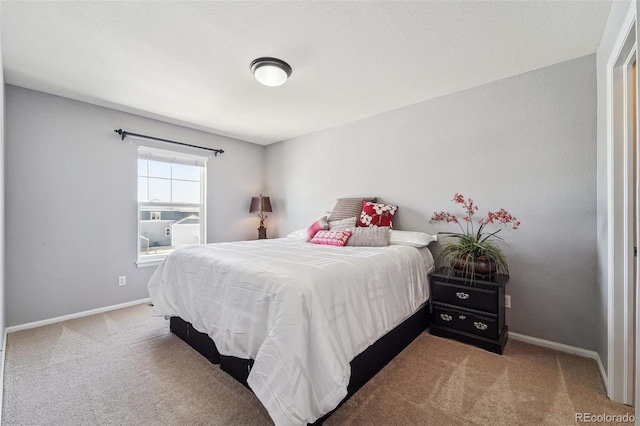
{"type": "Point", "coordinates": [290, 319]}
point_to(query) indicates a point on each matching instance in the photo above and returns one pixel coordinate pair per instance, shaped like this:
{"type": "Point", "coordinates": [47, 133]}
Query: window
{"type": "Point", "coordinates": [171, 202]}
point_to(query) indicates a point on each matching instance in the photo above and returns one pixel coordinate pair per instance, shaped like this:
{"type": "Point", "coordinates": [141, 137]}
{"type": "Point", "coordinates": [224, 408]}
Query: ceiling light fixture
{"type": "Point", "coordinates": [271, 72]}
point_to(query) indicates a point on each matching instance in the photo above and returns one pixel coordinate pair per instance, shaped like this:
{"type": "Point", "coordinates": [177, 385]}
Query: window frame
{"type": "Point", "coordinates": [181, 158]}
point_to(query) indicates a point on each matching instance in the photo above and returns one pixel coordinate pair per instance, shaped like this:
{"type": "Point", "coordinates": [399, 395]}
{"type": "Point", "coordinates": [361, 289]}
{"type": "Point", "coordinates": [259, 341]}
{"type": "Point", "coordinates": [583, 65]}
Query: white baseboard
{"type": "Point", "coordinates": [49, 321]}
{"type": "Point", "coordinates": [564, 348]}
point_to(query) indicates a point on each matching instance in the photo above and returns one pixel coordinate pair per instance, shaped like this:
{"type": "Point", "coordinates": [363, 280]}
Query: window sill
{"type": "Point", "coordinates": [149, 262]}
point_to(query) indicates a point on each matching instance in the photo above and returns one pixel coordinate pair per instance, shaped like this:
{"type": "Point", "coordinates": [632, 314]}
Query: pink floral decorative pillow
{"type": "Point", "coordinates": [316, 226]}
{"type": "Point", "coordinates": [331, 238]}
{"type": "Point", "coordinates": [377, 214]}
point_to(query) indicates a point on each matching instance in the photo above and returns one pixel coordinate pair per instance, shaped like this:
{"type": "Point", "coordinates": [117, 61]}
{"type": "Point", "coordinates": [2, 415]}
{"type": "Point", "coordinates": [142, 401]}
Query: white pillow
{"type": "Point", "coordinates": [300, 234]}
{"type": "Point", "coordinates": [411, 238]}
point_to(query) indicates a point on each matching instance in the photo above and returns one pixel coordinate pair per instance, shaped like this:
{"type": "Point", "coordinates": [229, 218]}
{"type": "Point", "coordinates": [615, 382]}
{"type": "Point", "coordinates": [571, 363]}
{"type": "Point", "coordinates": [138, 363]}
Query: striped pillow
{"type": "Point", "coordinates": [348, 207]}
{"type": "Point", "coordinates": [371, 236]}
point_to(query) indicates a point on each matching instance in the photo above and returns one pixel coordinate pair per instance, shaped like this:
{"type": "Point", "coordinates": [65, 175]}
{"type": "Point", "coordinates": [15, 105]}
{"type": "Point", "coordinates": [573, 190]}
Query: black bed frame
{"type": "Point", "coordinates": [363, 367]}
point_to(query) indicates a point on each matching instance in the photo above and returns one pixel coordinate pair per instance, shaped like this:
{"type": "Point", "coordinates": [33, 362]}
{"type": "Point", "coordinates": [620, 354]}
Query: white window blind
{"type": "Point", "coordinates": [164, 156]}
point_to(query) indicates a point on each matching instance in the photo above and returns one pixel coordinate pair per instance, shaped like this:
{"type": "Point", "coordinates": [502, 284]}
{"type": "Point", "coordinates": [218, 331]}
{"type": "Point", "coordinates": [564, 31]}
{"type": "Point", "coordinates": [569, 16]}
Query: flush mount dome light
{"type": "Point", "coordinates": [271, 72]}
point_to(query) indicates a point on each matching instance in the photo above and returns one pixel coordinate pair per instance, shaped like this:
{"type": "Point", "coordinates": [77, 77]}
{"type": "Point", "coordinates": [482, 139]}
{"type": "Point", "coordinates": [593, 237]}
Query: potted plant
{"type": "Point", "coordinates": [474, 253]}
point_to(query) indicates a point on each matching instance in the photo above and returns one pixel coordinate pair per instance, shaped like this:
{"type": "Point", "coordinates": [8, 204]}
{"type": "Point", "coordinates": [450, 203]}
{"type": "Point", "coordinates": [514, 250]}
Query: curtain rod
{"type": "Point", "coordinates": [124, 134]}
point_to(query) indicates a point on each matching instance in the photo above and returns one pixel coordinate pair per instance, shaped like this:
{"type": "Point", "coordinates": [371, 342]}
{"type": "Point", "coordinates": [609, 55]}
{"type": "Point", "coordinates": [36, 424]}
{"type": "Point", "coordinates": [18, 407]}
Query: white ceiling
{"type": "Point", "coordinates": [188, 62]}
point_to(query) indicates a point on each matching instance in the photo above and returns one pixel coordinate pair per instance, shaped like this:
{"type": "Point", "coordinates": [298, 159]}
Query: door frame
{"type": "Point", "coordinates": [620, 302]}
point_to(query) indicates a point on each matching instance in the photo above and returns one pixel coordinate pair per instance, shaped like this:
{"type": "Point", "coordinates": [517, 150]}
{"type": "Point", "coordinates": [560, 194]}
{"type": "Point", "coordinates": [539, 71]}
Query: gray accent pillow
{"type": "Point", "coordinates": [348, 207]}
{"type": "Point", "coordinates": [343, 225]}
{"type": "Point", "coordinates": [370, 236]}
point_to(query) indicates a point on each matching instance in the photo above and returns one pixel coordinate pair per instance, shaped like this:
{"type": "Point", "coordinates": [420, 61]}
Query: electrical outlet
{"type": "Point", "coordinates": [122, 280]}
{"type": "Point", "coordinates": [507, 301]}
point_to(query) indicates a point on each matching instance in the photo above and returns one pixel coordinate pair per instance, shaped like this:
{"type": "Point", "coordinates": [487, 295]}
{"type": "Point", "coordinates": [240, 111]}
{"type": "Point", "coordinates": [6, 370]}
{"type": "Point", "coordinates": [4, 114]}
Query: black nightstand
{"type": "Point", "coordinates": [471, 312]}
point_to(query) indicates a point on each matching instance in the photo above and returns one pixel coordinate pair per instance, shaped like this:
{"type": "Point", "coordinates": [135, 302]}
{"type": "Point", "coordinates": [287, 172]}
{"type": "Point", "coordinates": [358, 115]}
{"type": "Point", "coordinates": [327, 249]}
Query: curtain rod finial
{"type": "Point", "coordinates": [121, 133]}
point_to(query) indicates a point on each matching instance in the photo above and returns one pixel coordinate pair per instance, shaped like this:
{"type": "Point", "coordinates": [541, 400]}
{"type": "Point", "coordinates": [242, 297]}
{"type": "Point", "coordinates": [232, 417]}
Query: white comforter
{"type": "Point", "coordinates": [301, 311]}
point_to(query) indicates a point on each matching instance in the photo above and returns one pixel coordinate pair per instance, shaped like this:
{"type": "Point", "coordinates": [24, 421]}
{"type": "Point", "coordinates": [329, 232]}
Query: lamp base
{"type": "Point", "coordinates": [262, 233]}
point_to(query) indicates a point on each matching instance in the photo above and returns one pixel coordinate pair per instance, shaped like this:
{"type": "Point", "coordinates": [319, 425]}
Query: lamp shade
{"type": "Point", "coordinates": [260, 204]}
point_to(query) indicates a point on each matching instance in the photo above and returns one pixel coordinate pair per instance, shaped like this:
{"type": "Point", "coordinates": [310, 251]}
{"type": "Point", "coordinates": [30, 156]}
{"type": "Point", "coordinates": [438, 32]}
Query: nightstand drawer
{"type": "Point", "coordinates": [465, 296]}
{"type": "Point", "coordinates": [464, 321]}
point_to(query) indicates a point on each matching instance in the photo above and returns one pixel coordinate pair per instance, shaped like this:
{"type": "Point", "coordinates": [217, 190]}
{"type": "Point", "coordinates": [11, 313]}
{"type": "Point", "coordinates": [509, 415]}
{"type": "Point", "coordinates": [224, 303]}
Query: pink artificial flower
{"type": "Point", "coordinates": [501, 217]}
{"type": "Point", "coordinates": [443, 217]}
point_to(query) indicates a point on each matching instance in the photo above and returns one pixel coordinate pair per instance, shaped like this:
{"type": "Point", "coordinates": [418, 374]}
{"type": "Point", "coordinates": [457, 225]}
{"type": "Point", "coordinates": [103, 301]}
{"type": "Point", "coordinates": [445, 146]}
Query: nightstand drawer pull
{"type": "Point", "coordinates": [480, 325]}
{"type": "Point", "coordinates": [462, 295]}
{"type": "Point", "coordinates": [462, 317]}
{"type": "Point", "coordinates": [446, 317]}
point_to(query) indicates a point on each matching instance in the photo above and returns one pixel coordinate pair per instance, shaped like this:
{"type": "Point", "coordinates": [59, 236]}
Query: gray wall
{"type": "Point", "coordinates": [68, 175]}
{"type": "Point", "coordinates": [527, 143]}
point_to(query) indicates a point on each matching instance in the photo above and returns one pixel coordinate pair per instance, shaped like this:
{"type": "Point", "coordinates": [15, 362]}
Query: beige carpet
{"type": "Point", "coordinates": [126, 368]}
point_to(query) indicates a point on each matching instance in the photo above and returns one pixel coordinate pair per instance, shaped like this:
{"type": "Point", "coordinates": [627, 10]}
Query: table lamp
{"type": "Point", "coordinates": [261, 205]}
